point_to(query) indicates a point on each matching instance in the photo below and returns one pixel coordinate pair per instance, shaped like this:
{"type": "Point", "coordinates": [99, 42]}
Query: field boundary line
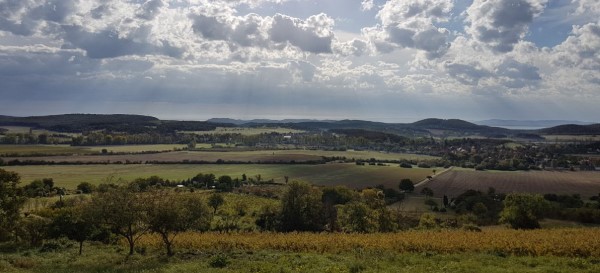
{"type": "Point", "coordinates": [424, 181]}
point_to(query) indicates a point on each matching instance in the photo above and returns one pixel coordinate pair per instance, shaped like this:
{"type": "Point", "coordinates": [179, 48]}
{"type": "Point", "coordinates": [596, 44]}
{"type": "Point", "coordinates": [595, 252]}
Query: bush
{"type": "Point", "coordinates": [423, 165]}
{"type": "Point", "coordinates": [86, 187]}
{"type": "Point", "coordinates": [405, 165]}
{"type": "Point", "coordinates": [219, 261]}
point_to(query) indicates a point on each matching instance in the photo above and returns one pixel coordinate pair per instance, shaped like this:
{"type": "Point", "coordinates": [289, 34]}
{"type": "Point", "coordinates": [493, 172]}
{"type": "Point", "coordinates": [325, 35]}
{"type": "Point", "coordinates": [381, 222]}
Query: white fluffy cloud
{"type": "Point", "coordinates": [581, 49]}
{"type": "Point", "coordinates": [412, 24]}
{"type": "Point", "coordinates": [366, 5]}
{"type": "Point", "coordinates": [500, 24]}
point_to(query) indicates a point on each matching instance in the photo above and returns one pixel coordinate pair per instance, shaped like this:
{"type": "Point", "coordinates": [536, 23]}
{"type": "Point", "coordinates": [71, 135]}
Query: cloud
{"type": "Point", "coordinates": [355, 47]}
{"type": "Point", "coordinates": [110, 44]}
{"type": "Point", "coordinates": [500, 24]}
{"type": "Point", "coordinates": [302, 71]}
{"type": "Point", "coordinates": [366, 5]}
{"type": "Point", "coordinates": [412, 24]}
{"type": "Point", "coordinates": [467, 74]}
{"type": "Point", "coordinates": [312, 35]}
{"type": "Point", "coordinates": [149, 9]}
{"type": "Point", "coordinates": [581, 49]}
{"type": "Point", "coordinates": [514, 74]}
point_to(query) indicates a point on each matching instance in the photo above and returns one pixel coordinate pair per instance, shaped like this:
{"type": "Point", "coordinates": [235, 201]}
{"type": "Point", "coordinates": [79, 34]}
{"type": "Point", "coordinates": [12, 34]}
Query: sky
{"type": "Point", "coordinates": [391, 61]}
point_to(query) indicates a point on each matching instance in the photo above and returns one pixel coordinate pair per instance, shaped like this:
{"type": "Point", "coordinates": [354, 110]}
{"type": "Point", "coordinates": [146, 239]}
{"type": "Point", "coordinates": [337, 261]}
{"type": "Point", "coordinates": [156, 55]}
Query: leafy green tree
{"type": "Point", "coordinates": [358, 217]}
{"type": "Point", "coordinates": [33, 228]}
{"type": "Point", "coordinates": [428, 221]}
{"type": "Point", "coordinates": [480, 210]}
{"type": "Point", "coordinates": [523, 210]}
{"type": "Point", "coordinates": [10, 202]}
{"type": "Point", "coordinates": [427, 192]}
{"type": "Point", "coordinates": [301, 208]}
{"type": "Point", "coordinates": [171, 213]}
{"type": "Point", "coordinates": [225, 183]}
{"type": "Point", "coordinates": [86, 187]}
{"type": "Point", "coordinates": [215, 200]}
{"type": "Point", "coordinates": [406, 185]}
{"type": "Point", "coordinates": [123, 212]}
{"type": "Point", "coordinates": [75, 224]}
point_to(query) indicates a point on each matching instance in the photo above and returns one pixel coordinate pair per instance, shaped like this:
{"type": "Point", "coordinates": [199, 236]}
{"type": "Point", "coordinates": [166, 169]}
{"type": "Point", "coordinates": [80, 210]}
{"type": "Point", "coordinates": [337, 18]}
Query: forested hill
{"type": "Point", "coordinates": [113, 122]}
{"type": "Point", "coordinates": [422, 127]}
{"type": "Point", "coordinates": [148, 124]}
{"type": "Point", "coordinates": [572, 129]}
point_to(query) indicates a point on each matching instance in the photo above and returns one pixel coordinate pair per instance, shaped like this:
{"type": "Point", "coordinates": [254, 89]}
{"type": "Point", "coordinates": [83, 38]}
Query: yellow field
{"type": "Point", "coordinates": [582, 242]}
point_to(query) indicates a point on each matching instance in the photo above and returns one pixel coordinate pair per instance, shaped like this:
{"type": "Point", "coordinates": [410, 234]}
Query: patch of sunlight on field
{"type": "Point", "coordinates": [247, 131]}
{"type": "Point", "coordinates": [569, 138]}
{"type": "Point", "coordinates": [137, 148]}
{"type": "Point", "coordinates": [40, 149]}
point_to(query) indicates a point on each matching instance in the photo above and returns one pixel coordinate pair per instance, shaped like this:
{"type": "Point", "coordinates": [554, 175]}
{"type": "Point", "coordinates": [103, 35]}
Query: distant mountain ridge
{"type": "Point", "coordinates": [262, 121]}
{"type": "Point", "coordinates": [425, 127]}
{"type": "Point", "coordinates": [572, 129]}
{"type": "Point", "coordinates": [530, 123]}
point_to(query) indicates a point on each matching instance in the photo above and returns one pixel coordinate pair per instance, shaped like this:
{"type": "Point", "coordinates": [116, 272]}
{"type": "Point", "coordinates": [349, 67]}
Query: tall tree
{"type": "Point", "coordinates": [523, 210]}
{"type": "Point", "coordinates": [10, 202]}
{"type": "Point", "coordinates": [215, 200]}
{"type": "Point", "coordinates": [302, 209]}
{"type": "Point", "coordinates": [123, 212]}
{"type": "Point", "coordinates": [406, 185]}
{"type": "Point", "coordinates": [171, 213]}
{"type": "Point", "coordinates": [74, 223]}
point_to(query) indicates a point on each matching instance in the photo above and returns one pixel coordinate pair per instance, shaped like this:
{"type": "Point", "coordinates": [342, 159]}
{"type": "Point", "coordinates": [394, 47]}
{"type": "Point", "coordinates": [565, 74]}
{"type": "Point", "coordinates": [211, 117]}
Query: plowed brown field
{"type": "Point", "coordinates": [455, 182]}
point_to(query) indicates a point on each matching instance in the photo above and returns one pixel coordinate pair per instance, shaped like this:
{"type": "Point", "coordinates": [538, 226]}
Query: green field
{"type": "Point", "coordinates": [324, 174]}
{"type": "Point", "coordinates": [110, 259]}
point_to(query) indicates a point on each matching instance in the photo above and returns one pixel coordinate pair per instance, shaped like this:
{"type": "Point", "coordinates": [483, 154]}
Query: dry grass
{"type": "Point", "coordinates": [554, 242]}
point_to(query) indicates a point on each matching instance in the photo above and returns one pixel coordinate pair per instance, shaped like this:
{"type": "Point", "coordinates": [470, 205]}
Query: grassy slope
{"type": "Point", "coordinates": [323, 174]}
{"type": "Point", "coordinates": [106, 259]}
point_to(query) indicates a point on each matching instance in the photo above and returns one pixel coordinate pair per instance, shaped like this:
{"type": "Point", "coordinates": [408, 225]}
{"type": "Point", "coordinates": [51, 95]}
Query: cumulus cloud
{"type": "Point", "coordinates": [149, 9]}
{"type": "Point", "coordinates": [313, 34]}
{"type": "Point", "coordinates": [581, 49]}
{"type": "Point", "coordinates": [366, 5]}
{"type": "Point", "coordinates": [356, 47]}
{"type": "Point", "coordinates": [514, 74]}
{"type": "Point", "coordinates": [412, 24]}
{"type": "Point", "coordinates": [500, 24]}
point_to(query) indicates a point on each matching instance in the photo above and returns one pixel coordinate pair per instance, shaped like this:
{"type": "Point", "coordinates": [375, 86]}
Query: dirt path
{"type": "Point", "coordinates": [424, 181]}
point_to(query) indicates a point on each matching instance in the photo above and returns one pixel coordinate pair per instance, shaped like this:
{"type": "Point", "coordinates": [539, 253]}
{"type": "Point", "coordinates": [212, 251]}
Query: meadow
{"type": "Point", "coordinates": [352, 175]}
{"type": "Point", "coordinates": [458, 180]}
